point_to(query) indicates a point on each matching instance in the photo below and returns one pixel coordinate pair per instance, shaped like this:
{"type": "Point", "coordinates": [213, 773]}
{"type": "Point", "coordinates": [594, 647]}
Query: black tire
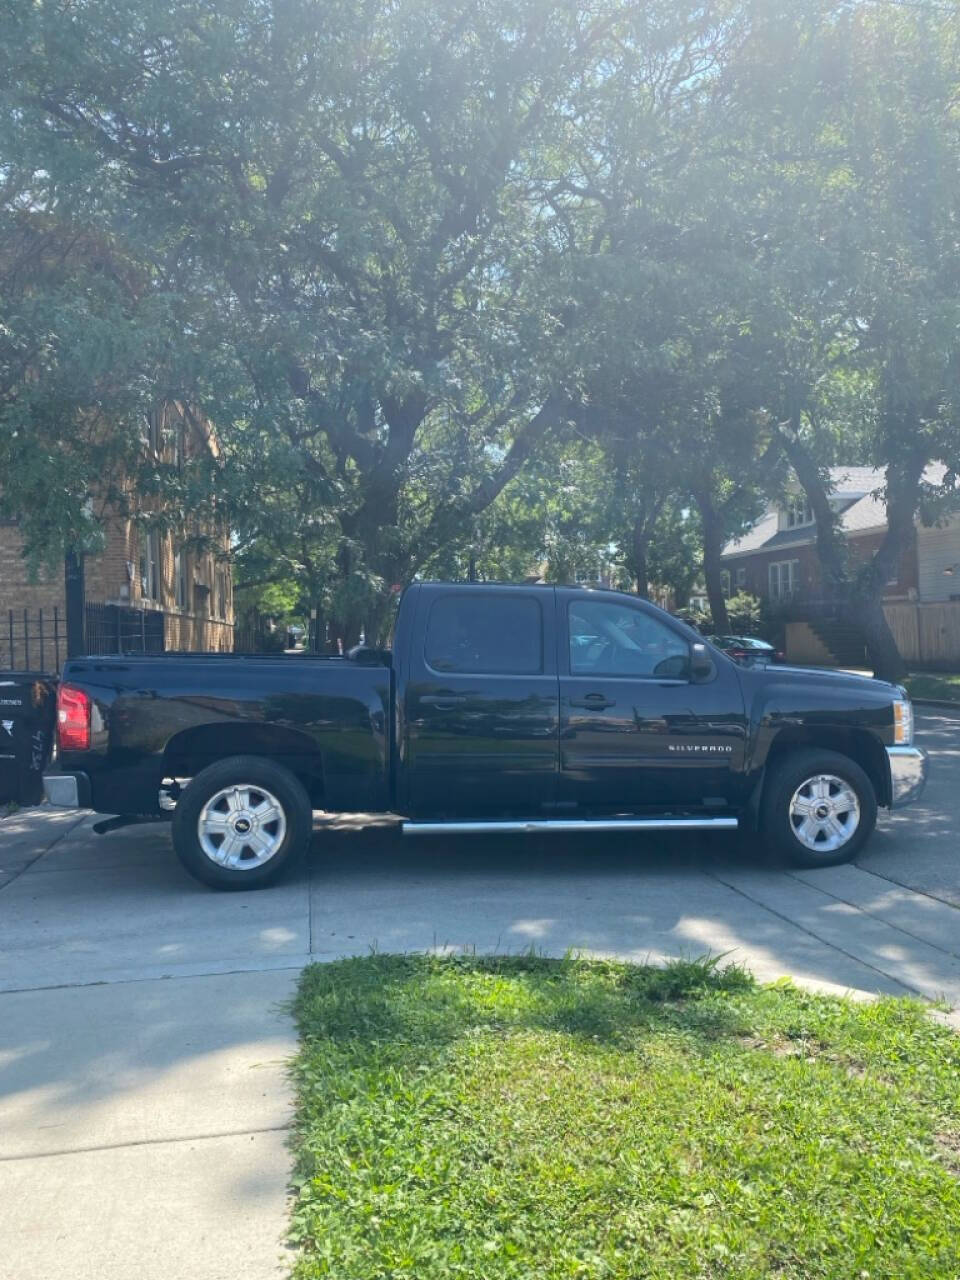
{"type": "Point", "coordinates": [255, 778]}
{"type": "Point", "coordinates": [779, 823]}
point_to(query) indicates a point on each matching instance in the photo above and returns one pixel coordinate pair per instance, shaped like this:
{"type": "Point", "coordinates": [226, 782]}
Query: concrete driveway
{"type": "Point", "coordinates": [143, 1098]}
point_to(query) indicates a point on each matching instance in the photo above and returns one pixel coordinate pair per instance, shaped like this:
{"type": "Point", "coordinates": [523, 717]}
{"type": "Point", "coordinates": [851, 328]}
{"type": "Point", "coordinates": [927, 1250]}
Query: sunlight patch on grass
{"type": "Point", "coordinates": [518, 1117]}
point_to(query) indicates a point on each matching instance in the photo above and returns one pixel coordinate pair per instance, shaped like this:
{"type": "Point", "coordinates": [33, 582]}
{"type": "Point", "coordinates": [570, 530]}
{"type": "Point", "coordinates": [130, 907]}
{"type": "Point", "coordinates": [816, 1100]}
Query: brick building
{"type": "Point", "coordinates": [777, 561]}
{"type": "Point", "coordinates": [144, 590]}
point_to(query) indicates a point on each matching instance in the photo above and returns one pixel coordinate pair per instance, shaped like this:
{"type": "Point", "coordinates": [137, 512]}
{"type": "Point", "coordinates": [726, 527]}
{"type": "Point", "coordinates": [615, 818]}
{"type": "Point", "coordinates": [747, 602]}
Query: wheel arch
{"type": "Point", "coordinates": [859, 745]}
{"type": "Point", "coordinates": [192, 750]}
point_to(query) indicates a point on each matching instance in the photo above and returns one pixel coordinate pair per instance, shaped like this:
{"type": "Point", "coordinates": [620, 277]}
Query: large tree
{"type": "Point", "coordinates": [382, 231]}
{"type": "Point", "coordinates": [332, 197]}
{"type": "Point", "coordinates": [397, 251]}
{"type": "Point", "coordinates": [849, 172]}
{"type": "Point", "coordinates": [81, 364]}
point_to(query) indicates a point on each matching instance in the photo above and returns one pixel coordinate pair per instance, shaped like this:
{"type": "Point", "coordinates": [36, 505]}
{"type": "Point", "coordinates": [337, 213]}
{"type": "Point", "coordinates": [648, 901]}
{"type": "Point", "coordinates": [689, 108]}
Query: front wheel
{"type": "Point", "coordinates": [241, 823]}
{"type": "Point", "coordinates": [819, 809]}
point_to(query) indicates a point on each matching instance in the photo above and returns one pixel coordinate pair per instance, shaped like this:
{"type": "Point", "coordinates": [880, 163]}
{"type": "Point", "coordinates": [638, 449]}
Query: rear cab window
{"type": "Point", "coordinates": [485, 633]}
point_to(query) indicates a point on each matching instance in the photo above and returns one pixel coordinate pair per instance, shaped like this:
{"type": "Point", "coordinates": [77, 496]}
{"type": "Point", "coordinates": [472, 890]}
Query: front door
{"type": "Point", "coordinates": [481, 703]}
{"type": "Point", "coordinates": [636, 732]}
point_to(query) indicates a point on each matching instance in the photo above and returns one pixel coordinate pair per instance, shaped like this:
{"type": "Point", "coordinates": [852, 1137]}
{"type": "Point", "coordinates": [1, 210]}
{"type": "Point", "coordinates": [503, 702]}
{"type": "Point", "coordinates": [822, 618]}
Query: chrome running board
{"type": "Point", "coordinates": [570, 824]}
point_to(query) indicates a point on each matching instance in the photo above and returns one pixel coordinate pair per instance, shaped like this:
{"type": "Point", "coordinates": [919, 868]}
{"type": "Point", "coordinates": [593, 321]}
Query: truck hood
{"type": "Point", "coordinates": [825, 678]}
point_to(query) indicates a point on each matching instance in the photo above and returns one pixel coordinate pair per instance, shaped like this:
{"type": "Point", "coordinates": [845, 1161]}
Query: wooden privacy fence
{"type": "Point", "coordinates": [927, 634]}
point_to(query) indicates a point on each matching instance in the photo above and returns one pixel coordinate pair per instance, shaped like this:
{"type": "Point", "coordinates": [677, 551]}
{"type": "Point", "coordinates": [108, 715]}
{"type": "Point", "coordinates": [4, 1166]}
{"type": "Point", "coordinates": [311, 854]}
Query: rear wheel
{"type": "Point", "coordinates": [819, 809]}
{"type": "Point", "coordinates": [241, 823]}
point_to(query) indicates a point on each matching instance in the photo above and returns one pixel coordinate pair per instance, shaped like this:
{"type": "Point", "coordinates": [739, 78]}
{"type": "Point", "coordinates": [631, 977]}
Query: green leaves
{"type": "Point", "coordinates": [414, 260]}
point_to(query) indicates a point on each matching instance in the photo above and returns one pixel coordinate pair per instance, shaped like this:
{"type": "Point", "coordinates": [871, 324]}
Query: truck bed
{"type": "Point", "coordinates": [169, 715]}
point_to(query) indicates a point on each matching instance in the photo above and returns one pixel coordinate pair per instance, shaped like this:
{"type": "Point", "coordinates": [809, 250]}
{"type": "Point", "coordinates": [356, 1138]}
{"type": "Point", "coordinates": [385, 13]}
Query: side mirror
{"type": "Point", "coordinates": [701, 664]}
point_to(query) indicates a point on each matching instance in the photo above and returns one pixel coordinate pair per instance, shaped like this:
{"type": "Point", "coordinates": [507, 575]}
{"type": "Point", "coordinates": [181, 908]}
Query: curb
{"type": "Point", "coordinates": [932, 702]}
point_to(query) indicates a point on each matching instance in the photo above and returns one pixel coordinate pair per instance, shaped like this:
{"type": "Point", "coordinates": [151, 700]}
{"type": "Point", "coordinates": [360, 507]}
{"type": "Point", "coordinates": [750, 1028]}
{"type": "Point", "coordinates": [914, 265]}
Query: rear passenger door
{"type": "Point", "coordinates": [481, 704]}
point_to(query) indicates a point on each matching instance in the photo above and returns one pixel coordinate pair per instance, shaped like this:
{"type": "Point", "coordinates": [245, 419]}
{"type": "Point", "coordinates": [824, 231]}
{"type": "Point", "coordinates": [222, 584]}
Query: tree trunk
{"type": "Point", "coordinates": [882, 650]}
{"type": "Point", "coordinates": [831, 548]}
{"type": "Point", "coordinates": [378, 620]}
{"type": "Point", "coordinates": [862, 595]}
{"type": "Point", "coordinates": [712, 550]}
{"type": "Point", "coordinates": [714, 585]}
{"type": "Point", "coordinates": [641, 542]}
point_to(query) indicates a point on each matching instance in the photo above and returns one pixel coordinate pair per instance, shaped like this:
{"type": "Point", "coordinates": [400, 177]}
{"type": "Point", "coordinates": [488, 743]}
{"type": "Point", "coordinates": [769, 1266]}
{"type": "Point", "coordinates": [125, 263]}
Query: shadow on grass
{"type": "Point", "coordinates": [408, 1004]}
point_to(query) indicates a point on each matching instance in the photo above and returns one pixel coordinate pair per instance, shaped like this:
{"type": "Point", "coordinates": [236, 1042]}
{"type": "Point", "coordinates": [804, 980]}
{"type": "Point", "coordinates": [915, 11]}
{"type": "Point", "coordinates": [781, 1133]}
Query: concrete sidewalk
{"type": "Point", "coordinates": [142, 1130]}
{"type": "Point", "coordinates": [143, 1093]}
{"type": "Point", "coordinates": [143, 1120]}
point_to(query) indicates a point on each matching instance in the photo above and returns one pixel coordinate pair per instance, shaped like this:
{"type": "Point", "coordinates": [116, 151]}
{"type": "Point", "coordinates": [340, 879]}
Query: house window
{"type": "Point", "coordinates": [741, 578]}
{"type": "Point", "coordinates": [180, 578]}
{"type": "Point", "coordinates": [725, 583]}
{"type": "Point", "coordinates": [784, 579]}
{"type": "Point", "coordinates": [150, 565]}
{"type": "Point", "coordinates": [798, 512]}
{"type": "Point", "coordinates": [221, 604]}
{"type": "Point", "coordinates": [151, 431]}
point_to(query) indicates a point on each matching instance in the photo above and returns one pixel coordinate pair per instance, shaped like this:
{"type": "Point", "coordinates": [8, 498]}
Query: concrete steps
{"type": "Point", "coordinates": [843, 639]}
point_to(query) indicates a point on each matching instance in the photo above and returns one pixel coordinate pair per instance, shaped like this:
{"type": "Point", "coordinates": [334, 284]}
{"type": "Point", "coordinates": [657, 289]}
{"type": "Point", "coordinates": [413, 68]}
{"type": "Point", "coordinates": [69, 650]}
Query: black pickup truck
{"type": "Point", "coordinates": [498, 708]}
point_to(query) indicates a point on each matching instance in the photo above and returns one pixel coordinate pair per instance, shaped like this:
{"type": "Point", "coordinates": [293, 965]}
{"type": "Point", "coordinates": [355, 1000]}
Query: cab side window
{"type": "Point", "coordinates": [482, 633]}
{"type": "Point", "coordinates": [609, 639]}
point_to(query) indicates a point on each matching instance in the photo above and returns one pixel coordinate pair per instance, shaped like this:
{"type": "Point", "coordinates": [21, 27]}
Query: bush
{"type": "Point", "coordinates": [745, 614]}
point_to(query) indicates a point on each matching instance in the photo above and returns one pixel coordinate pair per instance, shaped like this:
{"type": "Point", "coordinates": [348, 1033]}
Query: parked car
{"type": "Point", "coordinates": [748, 650]}
{"type": "Point", "coordinates": [27, 706]}
{"type": "Point", "coordinates": [499, 708]}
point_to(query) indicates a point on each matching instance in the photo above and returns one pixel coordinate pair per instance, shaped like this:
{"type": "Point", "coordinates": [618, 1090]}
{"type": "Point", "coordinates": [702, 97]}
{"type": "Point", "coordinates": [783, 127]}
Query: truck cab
{"type": "Point", "coordinates": [564, 700]}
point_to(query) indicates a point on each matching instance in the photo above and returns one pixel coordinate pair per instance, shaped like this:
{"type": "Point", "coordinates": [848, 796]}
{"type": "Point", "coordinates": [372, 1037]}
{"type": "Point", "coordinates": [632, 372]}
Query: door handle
{"type": "Point", "coordinates": [442, 701]}
{"type": "Point", "coordinates": [593, 702]}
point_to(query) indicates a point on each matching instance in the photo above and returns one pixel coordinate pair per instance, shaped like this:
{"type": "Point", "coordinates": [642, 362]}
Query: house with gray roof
{"type": "Point", "coordinates": [777, 558]}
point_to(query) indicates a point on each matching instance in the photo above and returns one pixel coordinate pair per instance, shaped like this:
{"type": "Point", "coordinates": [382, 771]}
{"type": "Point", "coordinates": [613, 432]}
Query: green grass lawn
{"type": "Point", "coordinates": [518, 1117]}
{"type": "Point", "coordinates": [940, 686]}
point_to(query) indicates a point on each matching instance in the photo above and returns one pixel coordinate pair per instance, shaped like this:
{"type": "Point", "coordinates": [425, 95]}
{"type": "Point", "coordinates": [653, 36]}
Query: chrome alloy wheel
{"type": "Point", "coordinates": [241, 827]}
{"type": "Point", "coordinates": [824, 813]}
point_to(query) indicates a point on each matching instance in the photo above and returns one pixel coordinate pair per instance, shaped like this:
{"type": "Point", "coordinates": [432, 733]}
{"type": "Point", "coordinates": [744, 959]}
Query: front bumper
{"type": "Point", "coordinates": [908, 775]}
{"type": "Point", "coordinates": [67, 790]}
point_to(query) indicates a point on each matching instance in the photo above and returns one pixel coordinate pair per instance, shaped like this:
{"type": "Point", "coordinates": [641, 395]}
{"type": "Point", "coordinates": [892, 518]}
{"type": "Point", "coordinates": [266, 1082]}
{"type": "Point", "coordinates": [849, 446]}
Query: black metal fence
{"type": "Point", "coordinates": [32, 639]}
{"type": "Point", "coordinates": [254, 633]}
{"type": "Point", "coordinates": [111, 628]}
{"type": "Point", "coordinates": [36, 639]}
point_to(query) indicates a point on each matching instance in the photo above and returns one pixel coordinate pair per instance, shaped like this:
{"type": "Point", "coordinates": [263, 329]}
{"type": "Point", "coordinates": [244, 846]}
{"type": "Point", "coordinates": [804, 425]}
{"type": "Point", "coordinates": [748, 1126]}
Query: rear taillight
{"type": "Point", "coordinates": [74, 712]}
